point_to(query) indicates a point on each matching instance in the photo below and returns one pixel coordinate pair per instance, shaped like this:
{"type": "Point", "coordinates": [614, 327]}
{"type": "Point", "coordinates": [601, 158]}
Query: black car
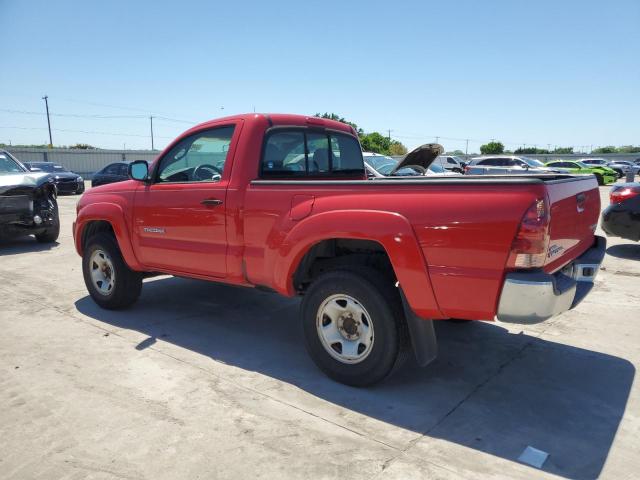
{"type": "Point", "coordinates": [622, 217]}
{"type": "Point", "coordinates": [66, 181]}
{"type": "Point", "coordinates": [112, 173]}
{"type": "Point", "coordinates": [28, 204]}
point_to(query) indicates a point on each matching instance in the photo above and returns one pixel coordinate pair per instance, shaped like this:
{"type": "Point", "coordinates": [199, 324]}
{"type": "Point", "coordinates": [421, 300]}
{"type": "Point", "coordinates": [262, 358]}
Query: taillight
{"type": "Point", "coordinates": [467, 168]}
{"type": "Point", "coordinates": [622, 193]}
{"type": "Point", "coordinates": [529, 247]}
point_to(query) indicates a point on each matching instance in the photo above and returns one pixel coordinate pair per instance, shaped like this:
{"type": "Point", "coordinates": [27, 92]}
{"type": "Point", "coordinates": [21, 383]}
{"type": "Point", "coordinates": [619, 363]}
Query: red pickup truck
{"type": "Point", "coordinates": [283, 203]}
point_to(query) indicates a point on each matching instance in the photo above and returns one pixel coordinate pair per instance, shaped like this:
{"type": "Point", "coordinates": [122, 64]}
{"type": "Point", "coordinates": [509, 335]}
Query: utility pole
{"type": "Point", "coordinates": [437, 138]}
{"type": "Point", "coordinates": [46, 102]}
{"type": "Point", "coordinates": [389, 134]}
{"type": "Point", "coordinates": [151, 118]}
{"type": "Point", "coordinates": [466, 149]}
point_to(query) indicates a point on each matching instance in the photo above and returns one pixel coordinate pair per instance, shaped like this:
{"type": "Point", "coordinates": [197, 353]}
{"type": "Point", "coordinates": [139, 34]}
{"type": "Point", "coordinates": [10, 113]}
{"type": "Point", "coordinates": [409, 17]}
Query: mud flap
{"type": "Point", "coordinates": [423, 335]}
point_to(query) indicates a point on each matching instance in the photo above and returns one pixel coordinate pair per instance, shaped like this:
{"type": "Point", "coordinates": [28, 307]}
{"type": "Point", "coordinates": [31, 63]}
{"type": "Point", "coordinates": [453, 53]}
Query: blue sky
{"type": "Point", "coordinates": [544, 72]}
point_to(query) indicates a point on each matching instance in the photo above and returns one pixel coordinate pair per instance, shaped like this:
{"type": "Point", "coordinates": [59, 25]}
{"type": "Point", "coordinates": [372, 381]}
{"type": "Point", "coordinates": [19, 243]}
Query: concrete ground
{"type": "Point", "coordinates": [199, 380]}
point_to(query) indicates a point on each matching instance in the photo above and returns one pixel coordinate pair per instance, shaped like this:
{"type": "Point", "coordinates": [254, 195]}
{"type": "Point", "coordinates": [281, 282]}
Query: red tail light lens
{"type": "Point", "coordinates": [619, 194]}
{"type": "Point", "coordinates": [530, 245]}
{"type": "Point", "coordinates": [466, 169]}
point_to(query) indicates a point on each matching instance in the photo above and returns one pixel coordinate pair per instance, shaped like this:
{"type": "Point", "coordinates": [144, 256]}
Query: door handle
{"type": "Point", "coordinates": [211, 201]}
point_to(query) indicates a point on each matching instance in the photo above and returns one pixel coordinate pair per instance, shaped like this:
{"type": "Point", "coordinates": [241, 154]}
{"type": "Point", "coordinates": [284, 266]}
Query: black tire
{"type": "Point", "coordinates": [52, 232]}
{"type": "Point", "coordinates": [599, 178]}
{"type": "Point", "coordinates": [380, 298]}
{"type": "Point", "coordinates": [127, 284]}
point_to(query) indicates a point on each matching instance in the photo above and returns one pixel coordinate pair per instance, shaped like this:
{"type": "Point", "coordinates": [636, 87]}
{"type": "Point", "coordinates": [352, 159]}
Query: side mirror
{"type": "Point", "coordinates": [139, 170]}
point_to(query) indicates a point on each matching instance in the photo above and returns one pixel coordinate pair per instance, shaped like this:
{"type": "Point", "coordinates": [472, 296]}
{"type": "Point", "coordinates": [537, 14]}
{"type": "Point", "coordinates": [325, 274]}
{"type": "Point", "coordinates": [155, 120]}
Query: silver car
{"type": "Point", "coordinates": [507, 164]}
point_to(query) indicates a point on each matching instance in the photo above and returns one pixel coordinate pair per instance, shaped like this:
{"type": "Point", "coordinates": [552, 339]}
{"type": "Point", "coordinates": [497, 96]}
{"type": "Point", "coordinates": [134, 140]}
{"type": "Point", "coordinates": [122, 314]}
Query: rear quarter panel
{"type": "Point", "coordinates": [463, 235]}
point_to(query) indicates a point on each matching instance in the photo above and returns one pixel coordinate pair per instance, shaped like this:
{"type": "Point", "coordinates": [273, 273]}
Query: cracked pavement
{"type": "Point", "coordinates": [199, 380]}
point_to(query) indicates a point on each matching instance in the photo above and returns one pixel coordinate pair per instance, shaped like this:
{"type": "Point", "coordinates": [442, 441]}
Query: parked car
{"type": "Point", "coordinates": [112, 173]}
{"type": "Point", "coordinates": [621, 167]}
{"type": "Point", "coordinates": [375, 261]}
{"type": "Point", "coordinates": [451, 163]}
{"type": "Point", "coordinates": [66, 181]}
{"type": "Point", "coordinates": [381, 166]}
{"type": "Point", "coordinates": [604, 175]}
{"type": "Point", "coordinates": [622, 217]}
{"type": "Point", "coordinates": [507, 164]}
{"type": "Point", "coordinates": [28, 204]}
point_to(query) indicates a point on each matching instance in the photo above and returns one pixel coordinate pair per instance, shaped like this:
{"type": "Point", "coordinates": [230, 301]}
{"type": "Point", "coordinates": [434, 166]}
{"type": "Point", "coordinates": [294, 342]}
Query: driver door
{"type": "Point", "coordinates": [179, 219]}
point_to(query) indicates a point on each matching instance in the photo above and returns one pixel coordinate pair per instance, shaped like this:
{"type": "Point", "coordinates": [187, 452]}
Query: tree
{"type": "Point", "coordinates": [397, 148]}
{"type": "Point", "coordinates": [375, 142]}
{"type": "Point", "coordinates": [607, 149]}
{"type": "Point", "coordinates": [455, 152]}
{"type": "Point", "coordinates": [492, 148]}
{"type": "Point", "coordinates": [563, 150]}
{"type": "Point", "coordinates": [529, 150]}
{"type": "Point", "coordinates": [371, 142]}
{"type": "Point", "coordinates": [629, 149]}
{"type": "Point", "coordinates": [338, 118]}
{"type": "Point", "coordinates": [82, 146]}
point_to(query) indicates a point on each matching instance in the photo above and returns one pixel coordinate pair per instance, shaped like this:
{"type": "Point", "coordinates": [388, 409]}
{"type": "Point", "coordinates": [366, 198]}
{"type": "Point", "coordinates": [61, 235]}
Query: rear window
{"type": "Point", "coordinates": [310, 153]}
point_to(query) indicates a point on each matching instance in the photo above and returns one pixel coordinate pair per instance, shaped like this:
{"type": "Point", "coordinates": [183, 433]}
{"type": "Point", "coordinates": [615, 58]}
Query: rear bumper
{"type": "Point", "coordinates": [532, 297]}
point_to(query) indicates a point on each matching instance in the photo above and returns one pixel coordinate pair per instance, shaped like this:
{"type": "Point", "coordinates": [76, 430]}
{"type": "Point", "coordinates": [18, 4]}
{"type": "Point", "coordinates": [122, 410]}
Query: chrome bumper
{"type": "Point", "coordinates": [532, 297]}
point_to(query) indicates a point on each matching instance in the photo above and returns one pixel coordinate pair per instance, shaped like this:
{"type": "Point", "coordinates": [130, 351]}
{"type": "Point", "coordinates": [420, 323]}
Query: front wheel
{"type": "Point", "coordinates": [52, 232]}
{"type": "Point", "coordinates": [110, 282]}
{"type": "Point", "coordinates": [354, 326]}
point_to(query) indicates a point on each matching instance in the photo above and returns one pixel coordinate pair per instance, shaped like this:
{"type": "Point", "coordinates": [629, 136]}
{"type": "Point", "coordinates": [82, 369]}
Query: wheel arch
{"type": "Point", "coordinates": [105, 217]}
{"type": "Point", "coordinates": [388, 235]}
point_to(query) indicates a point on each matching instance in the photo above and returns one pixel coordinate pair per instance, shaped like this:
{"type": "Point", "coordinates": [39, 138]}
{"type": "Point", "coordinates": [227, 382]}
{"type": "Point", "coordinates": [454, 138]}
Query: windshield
{"type": "Point", "coordinates": [385, 165]}
{"type": "Point", "coordinates": [8, 165]}
{"type": "Point", "coordinates": [532, 162]}
{"type": "Point", "coordinates": [49, 167]}
{"type": "Point", "coordinates": [583, 165]}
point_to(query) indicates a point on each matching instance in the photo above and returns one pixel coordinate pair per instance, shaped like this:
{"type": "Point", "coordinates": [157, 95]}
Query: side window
{"type": "Point", "coordinates": [451, 161]}
{"type": "Point", "coordinates": [123, 169]}
{"type": "Point", "coordinates": [318, 151]}
{"type": "Point", "coordinates": [111, 169]}
{"type": "Point", "coordinates": [310, 153]}
{"type": "Point", "coordinates": [284, 155]}
{"type": "Point", "coordinates": [198, 158]}
{"type": "Point", "coordinates": [346, 154]}
{"type": "Point", "coordinates": [490, 162]}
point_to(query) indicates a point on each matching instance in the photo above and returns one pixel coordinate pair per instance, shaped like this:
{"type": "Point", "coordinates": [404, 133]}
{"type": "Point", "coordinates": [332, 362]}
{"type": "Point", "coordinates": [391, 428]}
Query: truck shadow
{"type": "Point", "coordinates": [489, 390]}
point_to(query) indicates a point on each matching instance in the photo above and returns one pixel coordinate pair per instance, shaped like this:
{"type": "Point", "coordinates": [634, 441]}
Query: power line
{"type": "Point", "coordinates": [93, 132]}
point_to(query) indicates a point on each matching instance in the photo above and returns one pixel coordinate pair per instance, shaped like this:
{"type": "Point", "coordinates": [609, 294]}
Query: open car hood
{"type": "Point", "coordinates": [422, 156]}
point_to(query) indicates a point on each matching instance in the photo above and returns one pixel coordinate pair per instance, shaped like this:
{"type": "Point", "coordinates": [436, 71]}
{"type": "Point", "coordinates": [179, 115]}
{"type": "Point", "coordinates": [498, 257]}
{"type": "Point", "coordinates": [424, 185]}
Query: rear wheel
{"type": "Point", "coordinates": [110, 282]}
{"type": "Point", "coordinates": [354, 326]}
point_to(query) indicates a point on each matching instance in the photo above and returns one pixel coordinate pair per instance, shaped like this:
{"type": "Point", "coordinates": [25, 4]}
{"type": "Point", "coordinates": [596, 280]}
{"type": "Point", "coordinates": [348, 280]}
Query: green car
{"type": "Point", "coordinates": [604, 175]}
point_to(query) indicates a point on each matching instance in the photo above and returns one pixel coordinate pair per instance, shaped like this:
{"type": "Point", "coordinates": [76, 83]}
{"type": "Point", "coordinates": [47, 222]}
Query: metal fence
{"type": "Point", "coordinates": [84, 162]}
{"type": "Point", "coordinates": [87, 162]}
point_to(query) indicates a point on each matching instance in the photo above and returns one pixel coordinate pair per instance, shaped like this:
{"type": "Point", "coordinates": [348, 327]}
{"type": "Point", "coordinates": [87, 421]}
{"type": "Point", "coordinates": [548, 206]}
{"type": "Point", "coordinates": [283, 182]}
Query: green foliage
{"type": "Point", "coordinates": [82, 146]}
{"type": "Point", "coordinates": [397, 148]}
{"type": "Point", "coordinates": [371, 142]}
{"type": "Point", "coordinates": [456, 152]}
{"type": "Point", "coordinates": [607, 149]}
{"type": "Point", "coordinates": [629, 149]}
{"type": "Point", "coordinates": [492, 148]}
{"type": "Point", "coordinates": [533, 150]}
{"type": "Point", "coordinates": [375, 142]}
{"type": "Point", "coordinates": [338, 118]}
{"type": "Point", "coordinates": [563, 150]}
{"type": "Point", "coordinates": [623, 149]}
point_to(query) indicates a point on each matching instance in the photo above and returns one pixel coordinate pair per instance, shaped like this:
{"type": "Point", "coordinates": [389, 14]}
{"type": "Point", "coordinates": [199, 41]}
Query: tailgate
{"type": "Point", "coordinates": [575, 209]}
